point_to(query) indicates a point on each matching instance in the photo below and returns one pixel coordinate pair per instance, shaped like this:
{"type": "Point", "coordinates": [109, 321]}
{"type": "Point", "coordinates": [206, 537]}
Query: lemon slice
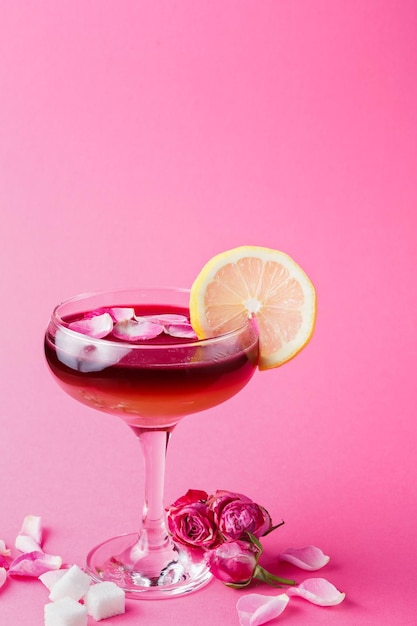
{"type": "Point", "coordinates": [254, 281]}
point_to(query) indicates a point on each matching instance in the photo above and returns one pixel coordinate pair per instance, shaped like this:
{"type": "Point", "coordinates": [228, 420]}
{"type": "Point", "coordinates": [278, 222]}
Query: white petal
{"type": "Point", "coordinates": [134, 330]}
{"type": "Point", "coordinates": [97, 327]}
{"type": "Point", "coordinates": [32, 526]}
{"type": "Point", "coordinates": [165, 318]}
{"type": "Point", "coordinates": [50, 577]}
{"type": "Point", "coordinates": [119, 314]}
{"type": "Point", "coordinates": [181, 330]}
{"type": "Point", "coordinates": [4, 551]}
{"type": "Point", "coordinates": [255, 609]}
{"type": "Point", "coordinates": [307, 558]}
{"type": "Point", "coordinates": [318, 591]}
{"type": "Point", "coordinates": [34, 564]}
{"type": "Point", "coordinates": [26, 544]}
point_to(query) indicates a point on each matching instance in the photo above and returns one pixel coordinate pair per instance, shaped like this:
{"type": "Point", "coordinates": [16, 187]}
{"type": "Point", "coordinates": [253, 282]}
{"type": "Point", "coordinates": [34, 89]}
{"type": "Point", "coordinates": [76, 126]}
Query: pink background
{"type": "Point", "coordinates": [138, 139]}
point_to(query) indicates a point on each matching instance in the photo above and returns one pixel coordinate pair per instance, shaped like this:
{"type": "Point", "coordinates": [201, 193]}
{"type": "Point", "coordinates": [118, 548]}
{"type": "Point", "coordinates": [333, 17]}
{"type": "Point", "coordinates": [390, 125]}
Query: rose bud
{"type": "Point", "coordinates": [236, 515]}
{"type": "Point", "coordinates": [233, 562]}
{"type": "Point", "coordinates": [191, 522]}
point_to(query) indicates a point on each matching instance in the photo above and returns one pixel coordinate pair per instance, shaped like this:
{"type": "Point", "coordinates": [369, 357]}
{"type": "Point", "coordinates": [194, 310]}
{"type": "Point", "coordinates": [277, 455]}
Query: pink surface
{"type": "Point", "coordinates": [137, 140]}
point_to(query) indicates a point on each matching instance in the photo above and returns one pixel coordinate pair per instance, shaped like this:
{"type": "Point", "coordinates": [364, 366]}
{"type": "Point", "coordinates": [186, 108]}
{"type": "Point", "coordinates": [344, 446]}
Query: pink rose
{"type": "Point", "coordinates": [233, 562]}
{"type": "Point", "coordinates": [236, 515]}
{"type": "Point", "coordinates": [191, 522]}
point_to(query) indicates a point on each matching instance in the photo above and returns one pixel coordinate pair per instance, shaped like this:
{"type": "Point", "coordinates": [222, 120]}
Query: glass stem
{"type": "Point", "coordinates": [153, 536]}
{"type": "Point", "coordinates": [154, 445]}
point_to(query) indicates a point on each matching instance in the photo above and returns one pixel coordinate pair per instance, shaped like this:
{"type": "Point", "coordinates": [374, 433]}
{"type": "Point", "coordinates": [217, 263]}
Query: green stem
{"type": "Point", "coordinates": [266, 577]}
{"type": "Point", "coordinates": [273, 528]}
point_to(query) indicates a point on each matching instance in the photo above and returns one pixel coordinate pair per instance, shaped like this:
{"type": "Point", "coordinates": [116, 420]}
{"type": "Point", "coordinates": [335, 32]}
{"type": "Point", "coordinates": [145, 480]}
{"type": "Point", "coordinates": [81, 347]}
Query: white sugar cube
{"type": "Point", "coordinates": [104, 600]}
{"type": "Point", "coordinates": [73, 584]}
{"type": "Point", "coordinates": [65, 612]}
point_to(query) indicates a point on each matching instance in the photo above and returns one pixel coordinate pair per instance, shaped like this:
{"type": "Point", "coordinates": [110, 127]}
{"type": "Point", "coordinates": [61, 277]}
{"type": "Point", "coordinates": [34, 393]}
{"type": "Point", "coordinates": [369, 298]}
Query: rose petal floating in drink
{"type": "Point", "coordinates": [255, 609]}
{"type": "Point", "coordinates": [183, 330]}
{"type": "Point", "coordinates": [119, 314]}
{"type": "Point", "coordinates": [34, 564]}
{"type": "Point", "coordinates": [308, 558]}
{"type": "Point", "coordinates": [137, 329]}
{"type": "Point", "coordinates": [98, 326]}
{"type": "Point", "coordinates": [318, 591]}
{"type": "Point", "coordinates": [164, 319]}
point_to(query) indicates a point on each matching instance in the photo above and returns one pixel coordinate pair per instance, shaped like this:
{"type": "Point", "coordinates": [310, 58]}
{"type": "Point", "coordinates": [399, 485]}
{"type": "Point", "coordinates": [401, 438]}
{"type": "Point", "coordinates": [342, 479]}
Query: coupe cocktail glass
{"type": "Point", "coordinates": [151, 385]}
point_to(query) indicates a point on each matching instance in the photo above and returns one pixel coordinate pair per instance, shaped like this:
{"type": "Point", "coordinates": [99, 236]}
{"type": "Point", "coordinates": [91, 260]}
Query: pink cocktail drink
{"type": "Point", "coordinates": [151, 384]}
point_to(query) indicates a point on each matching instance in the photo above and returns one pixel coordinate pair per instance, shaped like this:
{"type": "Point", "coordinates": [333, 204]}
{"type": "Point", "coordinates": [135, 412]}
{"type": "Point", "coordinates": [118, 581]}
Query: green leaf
{"type": "Point", "coordinates": [256, 542]}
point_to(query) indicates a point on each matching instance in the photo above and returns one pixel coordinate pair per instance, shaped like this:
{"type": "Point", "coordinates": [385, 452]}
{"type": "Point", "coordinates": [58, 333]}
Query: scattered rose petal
{"type": "Point", "coordinates": [181, 330]}
{"type": "Point", "coordinates": [3, 576]}
{"type": "Point", "coordinates": [165, 318]}
{"type": "Point", "coordinates": [134, 330]}
{"type": "Point", "coordinates": [29, 538]}
{"type": "Point", "coordinates": [4, 551]}
{"type": "Point", "coordinates": [255, 609]}
{"type": "Point", "coordinates": [318, 591]}
{"type": "Point", "coordinates": [4, 562]}
{"type": "Point", "coordinates": [307, 558]}
{"type": "Point", "coordinates": [120, 314]}
{"type": "Point", "coordinates": [34, 564]}
{"type": "Point", "coordinates": [50, 577]}
{"type": "Point", "coordinates": [97, 327]}
{"type": "Point", "coordinates": [32, 526]}
{"type": "Point", "coordinates": [26, 544]}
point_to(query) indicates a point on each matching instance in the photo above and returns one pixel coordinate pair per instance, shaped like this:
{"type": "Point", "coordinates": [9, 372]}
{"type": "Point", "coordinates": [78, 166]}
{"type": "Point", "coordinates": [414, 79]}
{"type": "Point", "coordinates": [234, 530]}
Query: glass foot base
{"type": "Point", "coordinates": [168, 571]}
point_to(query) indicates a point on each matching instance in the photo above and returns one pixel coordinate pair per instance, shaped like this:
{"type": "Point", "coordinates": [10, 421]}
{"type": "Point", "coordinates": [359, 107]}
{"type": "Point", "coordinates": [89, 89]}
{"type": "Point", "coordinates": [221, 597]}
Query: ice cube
{"type": "Point", "coordinates": [86, 354]}
{"type": "Point", "coordinates": [104, 600]}
{"type": "Point", "coordinates": [65, 612]}
{"type": "Point", "coordinates": [73, 584]}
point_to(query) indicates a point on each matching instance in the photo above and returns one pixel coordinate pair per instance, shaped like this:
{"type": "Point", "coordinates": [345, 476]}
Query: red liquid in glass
{"type": "Point", "coordinates": [155, 388]}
